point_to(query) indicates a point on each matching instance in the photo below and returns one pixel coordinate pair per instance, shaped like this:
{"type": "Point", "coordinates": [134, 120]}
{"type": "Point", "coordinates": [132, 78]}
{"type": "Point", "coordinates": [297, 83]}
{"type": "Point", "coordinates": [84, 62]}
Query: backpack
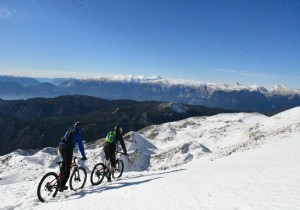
{"type": "Point", "coordinates": [68, 137]}
{"type": "Point", "coordinates": [110, 137]}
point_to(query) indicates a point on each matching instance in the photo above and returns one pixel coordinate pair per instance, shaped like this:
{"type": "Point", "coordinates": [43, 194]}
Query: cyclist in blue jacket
{"type": "Point", "coordinates": [66, 146]}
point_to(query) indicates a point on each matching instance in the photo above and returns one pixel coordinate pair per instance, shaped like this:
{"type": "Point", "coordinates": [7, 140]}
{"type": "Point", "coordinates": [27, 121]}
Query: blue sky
{"type": "Point", "coordinates": [249, 42]}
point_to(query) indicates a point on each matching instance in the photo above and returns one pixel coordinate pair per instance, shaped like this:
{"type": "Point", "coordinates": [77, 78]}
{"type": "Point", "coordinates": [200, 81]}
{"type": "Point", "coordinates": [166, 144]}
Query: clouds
{"type": "Point", "coordinates": [48, 73]}
{"type": "Point", "coordinates": [5, 13]}
{"type": "Point", "coordinates": [253, 74]}
{"type": "Point", "coordinates": [244, 73]}
{"type": "Point", "coordinates": [263, 78]}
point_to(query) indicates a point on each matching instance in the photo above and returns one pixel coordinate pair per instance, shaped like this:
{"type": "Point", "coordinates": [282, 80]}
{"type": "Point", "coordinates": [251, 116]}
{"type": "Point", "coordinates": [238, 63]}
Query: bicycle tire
{"type": "Point", "coordinates": [78, 179]}
{"type": "Point", "coordinates": [97, 174]}
{"type": "Point", "coordinates": [47, 186]}
{"type": "Point", "coordinates": [118, 169]}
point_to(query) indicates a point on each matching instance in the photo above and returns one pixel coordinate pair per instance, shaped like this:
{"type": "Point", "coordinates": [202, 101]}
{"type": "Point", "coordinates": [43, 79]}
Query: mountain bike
{"type": "Point", "coordinates": [50, 182]}
{"type": "Point", "coordinates": [100, 170]}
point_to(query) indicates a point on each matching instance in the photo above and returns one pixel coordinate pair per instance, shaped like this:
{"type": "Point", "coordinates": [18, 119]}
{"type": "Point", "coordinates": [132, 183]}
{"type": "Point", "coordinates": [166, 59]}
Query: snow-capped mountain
{"type": "Point", "coordinates": [206, 88]}
{"type": "Point", "coordinates": [275, 89]}
{"type": "Point", "coordinates": [226, 161]}
{"type": "Point", "coordinates": [235, 97]}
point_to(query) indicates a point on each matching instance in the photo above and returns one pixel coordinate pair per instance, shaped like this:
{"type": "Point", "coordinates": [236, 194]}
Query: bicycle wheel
{"type": "Point", "coordinates": [48, 187]}
{"type": "Point", "coordinates": [118, 169]}
{"type": "Point", "coordinates": [97, 174]}
{"type": "Point", "coordinates": [77, 178]}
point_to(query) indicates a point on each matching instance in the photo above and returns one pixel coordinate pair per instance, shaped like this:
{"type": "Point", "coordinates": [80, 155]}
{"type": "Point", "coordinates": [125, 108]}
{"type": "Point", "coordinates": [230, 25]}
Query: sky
{"type": "Point", "coordinates": [228, 42]}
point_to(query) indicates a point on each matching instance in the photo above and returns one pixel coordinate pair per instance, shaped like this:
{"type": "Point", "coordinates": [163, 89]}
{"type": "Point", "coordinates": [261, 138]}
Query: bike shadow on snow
{"type": "Point", "coordinates": [152, 174]}
{"type": "Point", "coordinates": [104, 187]}
{"type": "Point", "coordinates": [116, 184]}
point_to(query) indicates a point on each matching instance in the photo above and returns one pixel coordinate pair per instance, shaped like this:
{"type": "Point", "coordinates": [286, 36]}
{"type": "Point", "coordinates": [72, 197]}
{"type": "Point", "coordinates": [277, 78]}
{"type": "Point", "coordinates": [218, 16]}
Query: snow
{"type": "Point", "coordinates": [226, 161]}
{"type": "Point", "coordinates": [211, 87]}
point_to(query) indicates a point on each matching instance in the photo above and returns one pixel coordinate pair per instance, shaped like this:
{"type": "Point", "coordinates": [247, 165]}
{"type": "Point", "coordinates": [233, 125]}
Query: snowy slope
{"type": "Point", "coordinates": [226, 161]}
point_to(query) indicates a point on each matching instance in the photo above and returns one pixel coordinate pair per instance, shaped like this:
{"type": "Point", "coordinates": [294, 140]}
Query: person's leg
{"type": "Point", "coordinates": [112, 158]}
{"type": "Point", "coordinates": [106, 155]}
{"type": "Point", "coordinates": [62, 153]}
{"type": "Point", "coordinates": [112, 166]}
{"type": "Point", "coordinates": [67, 155]}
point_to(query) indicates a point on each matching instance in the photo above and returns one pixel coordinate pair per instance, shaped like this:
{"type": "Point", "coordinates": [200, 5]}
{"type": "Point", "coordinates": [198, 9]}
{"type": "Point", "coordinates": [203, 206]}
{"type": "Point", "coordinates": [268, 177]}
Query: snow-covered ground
{"type": "Point", "coordinates": [226, 161]}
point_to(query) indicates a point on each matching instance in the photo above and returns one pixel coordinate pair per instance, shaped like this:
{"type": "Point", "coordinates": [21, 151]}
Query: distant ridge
{"type": "Point", "coordinates": [266, 100]}
{"type": "Point", "coordinates": [41, 122]}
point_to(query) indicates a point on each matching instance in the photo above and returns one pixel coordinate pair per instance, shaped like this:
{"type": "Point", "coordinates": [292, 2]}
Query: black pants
{"type": "Point", "coordinates": [67, 155]}
{"type": "Point", "coordinates": [110, 153]}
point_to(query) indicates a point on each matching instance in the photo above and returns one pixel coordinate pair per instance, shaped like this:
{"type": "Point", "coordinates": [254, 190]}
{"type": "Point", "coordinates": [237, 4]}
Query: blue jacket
{"type": "Point", "coordinates": [76, 138]}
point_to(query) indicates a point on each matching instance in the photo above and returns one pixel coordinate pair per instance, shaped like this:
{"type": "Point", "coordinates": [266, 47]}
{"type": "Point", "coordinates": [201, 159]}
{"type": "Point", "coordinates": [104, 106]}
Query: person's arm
{"type": "Point", "coordinates": [80, 145]}
{"type": "Point", "coordinates": [122, 144]}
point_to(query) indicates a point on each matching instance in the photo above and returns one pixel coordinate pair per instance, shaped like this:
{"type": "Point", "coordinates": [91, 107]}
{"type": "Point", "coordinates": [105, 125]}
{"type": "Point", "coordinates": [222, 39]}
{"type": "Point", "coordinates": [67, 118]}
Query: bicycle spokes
{"type": "Point", "coordinates": [78, 178]}
{"type": "Point", "coordinates": [97, 174]}
{"type": "Point", "coordinates": [48, 186]}
{"type": "Point", "coordinates": [118, 169]}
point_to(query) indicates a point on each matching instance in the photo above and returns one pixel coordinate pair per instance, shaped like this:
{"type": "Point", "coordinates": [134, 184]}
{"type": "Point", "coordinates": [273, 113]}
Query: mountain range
{"type": "Point", "coordinates": [267, 100]}
{"type": "Point", "coordinates": [41, 122]}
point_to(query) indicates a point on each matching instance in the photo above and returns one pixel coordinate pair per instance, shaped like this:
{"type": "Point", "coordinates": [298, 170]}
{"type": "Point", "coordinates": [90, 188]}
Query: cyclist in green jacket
{"type": "Point", "coordinates": [110, 146]}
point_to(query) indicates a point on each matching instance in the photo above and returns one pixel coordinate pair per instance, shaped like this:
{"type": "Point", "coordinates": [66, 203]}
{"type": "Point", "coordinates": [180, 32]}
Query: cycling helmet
{"type": "Point", "coordinates": [77, 124]}
{"type": "Point", "coordinates": [118, 128]}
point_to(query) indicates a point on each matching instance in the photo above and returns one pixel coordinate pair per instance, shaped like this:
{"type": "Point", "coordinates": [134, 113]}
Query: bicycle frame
{"type": "Point", "coordinates": [74, 167]}
{"type": "Point", "coordinates": [50, 182]}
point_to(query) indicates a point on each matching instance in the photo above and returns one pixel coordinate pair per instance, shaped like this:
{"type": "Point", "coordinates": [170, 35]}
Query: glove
{"type": "Point", "coordinates": [83, 158]}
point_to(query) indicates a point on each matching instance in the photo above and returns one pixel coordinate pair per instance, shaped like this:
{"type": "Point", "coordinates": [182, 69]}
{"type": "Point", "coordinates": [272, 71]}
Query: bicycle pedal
{"type": "Point", "coordinates": [61, 189]}
{"type": "Point", "coordinates": [98, 173]}
{"type": "Point", "coordinates": [108, 178]}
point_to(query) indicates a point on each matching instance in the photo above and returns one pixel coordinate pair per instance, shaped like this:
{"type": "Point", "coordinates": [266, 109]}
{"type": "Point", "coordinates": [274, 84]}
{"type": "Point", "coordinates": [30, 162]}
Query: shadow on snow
{"type": "Point", "coordinates": [117, 184]}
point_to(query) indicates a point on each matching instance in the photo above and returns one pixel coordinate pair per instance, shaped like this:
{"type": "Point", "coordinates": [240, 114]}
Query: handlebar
{"type": "Point", "coordinates": [128, 152]}
{"type": "Point", "coordinates": [74, 158]}
{"type": "Point", "coordinates": [120, 152]}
